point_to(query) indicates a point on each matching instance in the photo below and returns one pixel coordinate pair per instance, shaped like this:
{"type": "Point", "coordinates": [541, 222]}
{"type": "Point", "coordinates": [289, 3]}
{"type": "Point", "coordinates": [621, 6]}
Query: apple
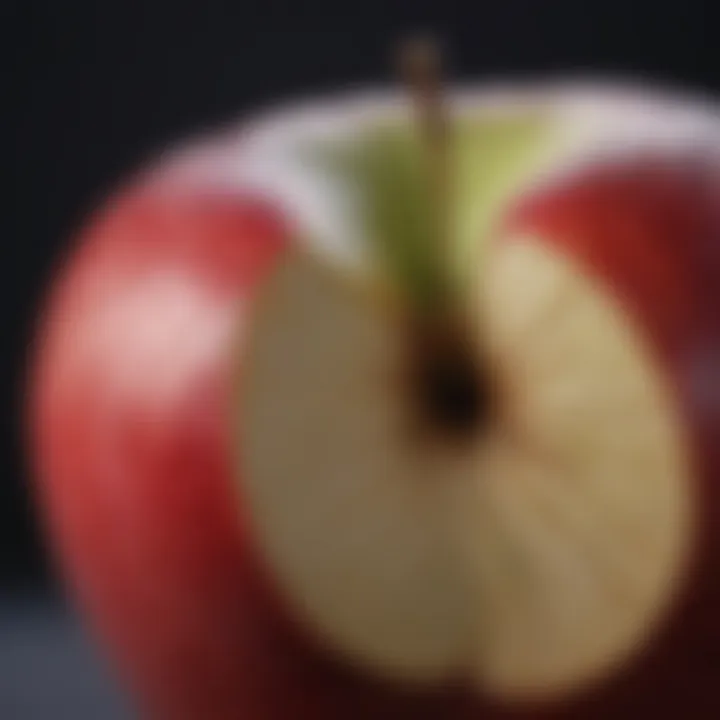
{"type": "Point", "coordinates": [336, 417]}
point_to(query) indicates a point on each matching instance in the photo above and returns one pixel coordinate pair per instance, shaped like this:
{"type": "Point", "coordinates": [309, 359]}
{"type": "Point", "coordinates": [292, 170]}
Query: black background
{"type": "Point", "coordinates": [89, 88]}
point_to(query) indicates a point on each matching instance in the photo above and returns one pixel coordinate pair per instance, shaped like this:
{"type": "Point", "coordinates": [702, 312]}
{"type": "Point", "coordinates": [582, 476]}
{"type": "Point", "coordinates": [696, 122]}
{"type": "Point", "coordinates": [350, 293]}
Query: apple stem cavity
{"type": "Point", "coordinates": [450, 398]}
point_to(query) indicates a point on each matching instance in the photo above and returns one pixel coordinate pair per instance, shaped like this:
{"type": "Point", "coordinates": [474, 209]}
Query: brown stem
{"type": "Point", "coordinates": [447, 380]}
{"type": "Point", "coordinates": [421, 68]}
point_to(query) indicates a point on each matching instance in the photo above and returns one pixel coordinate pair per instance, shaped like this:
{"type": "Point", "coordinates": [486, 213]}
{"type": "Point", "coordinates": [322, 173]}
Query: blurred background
{"type": "Point", "coordinates": [91, 87]}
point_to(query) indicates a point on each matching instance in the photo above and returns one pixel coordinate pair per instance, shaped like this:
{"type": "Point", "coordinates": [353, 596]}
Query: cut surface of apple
{"type": "Point", "coordinates": [533, 556]}
{"type": "Point", "coordinates": [535, 552]}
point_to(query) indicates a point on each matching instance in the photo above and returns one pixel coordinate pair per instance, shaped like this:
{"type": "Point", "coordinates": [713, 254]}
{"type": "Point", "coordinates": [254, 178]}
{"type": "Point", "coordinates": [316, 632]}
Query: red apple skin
{"type": "Point", "coordinates": [138, 492]}
{"type": "Point", "coordinates": [649, 229]}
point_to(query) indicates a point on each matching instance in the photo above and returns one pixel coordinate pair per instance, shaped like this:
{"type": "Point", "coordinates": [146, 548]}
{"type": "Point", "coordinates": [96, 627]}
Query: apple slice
{"type": "Point", "coordinates": [536, 553]}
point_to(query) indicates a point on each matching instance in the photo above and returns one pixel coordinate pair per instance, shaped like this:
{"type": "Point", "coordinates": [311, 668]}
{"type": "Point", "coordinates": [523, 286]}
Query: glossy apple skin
{"type": "Point", "coordinates": [649, 229]}
{"type": "Point", "coordinates": [130, 448]}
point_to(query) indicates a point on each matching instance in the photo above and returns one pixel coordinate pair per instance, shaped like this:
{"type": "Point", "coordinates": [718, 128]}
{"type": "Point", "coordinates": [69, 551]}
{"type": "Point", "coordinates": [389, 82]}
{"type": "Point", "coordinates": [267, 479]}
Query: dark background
{"type": "Point", "coordinates": [90, 88]}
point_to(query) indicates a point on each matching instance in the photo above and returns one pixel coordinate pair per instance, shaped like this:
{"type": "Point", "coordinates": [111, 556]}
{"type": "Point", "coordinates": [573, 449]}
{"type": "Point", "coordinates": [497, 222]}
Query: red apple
{"type": "Point", "coordinates": [274, 500]}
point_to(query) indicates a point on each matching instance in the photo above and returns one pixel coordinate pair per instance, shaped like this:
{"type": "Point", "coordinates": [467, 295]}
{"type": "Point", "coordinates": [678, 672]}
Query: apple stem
{"type": "Point", "coordinates": [445, 374]}
{"type": "Point", "coordinates": [421, 69]}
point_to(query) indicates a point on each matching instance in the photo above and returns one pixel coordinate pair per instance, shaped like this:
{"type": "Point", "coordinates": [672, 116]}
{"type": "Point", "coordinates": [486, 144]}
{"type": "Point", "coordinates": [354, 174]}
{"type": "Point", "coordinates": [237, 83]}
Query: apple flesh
{"type": "Point", "coordinates": [226, 425]}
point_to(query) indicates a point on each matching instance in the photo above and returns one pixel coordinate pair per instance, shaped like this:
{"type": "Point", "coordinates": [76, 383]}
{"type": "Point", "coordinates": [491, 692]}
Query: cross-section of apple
{"type": "Point", "coordinates": [535, 553]}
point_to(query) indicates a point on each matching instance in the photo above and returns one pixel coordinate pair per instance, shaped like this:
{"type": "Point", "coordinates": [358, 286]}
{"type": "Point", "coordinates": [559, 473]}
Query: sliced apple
{"type": "Point", "coordinates": [538, 555]}
{"type": "Point", "coordinates": [534, 554]}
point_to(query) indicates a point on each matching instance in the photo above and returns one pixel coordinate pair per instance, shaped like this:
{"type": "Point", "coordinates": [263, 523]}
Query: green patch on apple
{"type": "Point", "coordinates": [492, 159]}
{"type": "Point", "coordinates": [389, 173]}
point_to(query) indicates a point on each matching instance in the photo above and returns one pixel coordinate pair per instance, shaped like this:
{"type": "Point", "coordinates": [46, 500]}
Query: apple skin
{"type": "Point", "coordinates": [137, 486]}
{"type": "Point", "coordinates": [648, 227]}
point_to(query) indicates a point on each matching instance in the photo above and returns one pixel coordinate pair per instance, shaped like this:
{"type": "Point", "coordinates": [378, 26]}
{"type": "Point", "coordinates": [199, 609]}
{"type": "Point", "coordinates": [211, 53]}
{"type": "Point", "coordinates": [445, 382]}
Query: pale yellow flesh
{"type": "Point", "coordinates": [533, 561]}
{"type": "Point", "coordinates": [353, 523]}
